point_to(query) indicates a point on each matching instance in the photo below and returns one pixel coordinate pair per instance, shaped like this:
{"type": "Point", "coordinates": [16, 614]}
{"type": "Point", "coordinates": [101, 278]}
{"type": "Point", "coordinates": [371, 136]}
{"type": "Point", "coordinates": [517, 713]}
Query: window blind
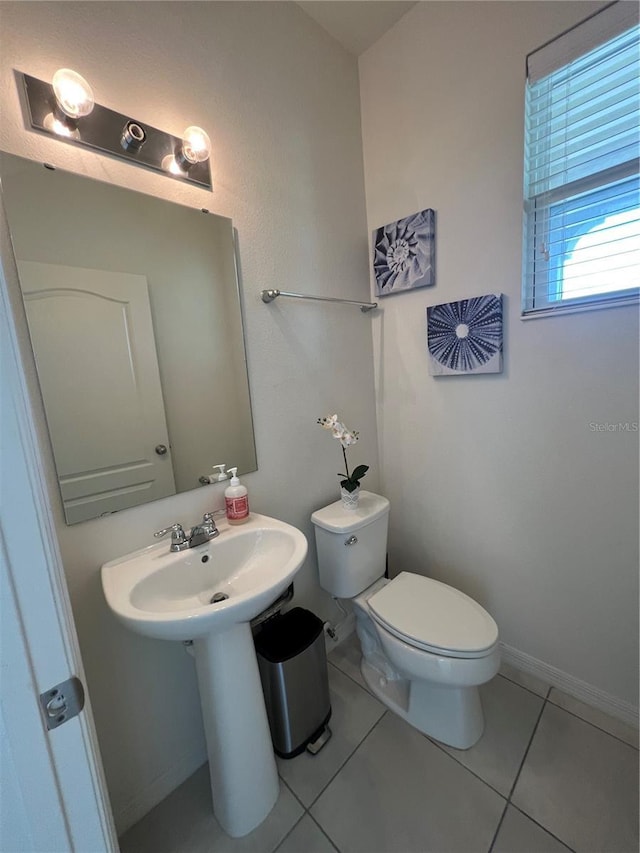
{"type": "Point", "coordinates": [582, 201]}
{"type": "Point", "coordinates": [590, 33]}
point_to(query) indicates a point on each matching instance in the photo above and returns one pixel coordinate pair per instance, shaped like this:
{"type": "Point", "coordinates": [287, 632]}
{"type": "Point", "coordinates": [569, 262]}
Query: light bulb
{"type": "Point", "coordinates": [196, 145]}
{"type": "Point", "coordinates": [73, 93]}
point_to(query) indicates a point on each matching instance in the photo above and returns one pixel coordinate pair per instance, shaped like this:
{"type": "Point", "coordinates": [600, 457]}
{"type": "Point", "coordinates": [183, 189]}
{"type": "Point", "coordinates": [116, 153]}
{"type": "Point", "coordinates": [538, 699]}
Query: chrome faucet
{"type": "Point", "coordinates": [204, 531]}
{"type": "Point", "coordinates": [178, 538]}
{"type": "Point", "coordinates": [198, 535]}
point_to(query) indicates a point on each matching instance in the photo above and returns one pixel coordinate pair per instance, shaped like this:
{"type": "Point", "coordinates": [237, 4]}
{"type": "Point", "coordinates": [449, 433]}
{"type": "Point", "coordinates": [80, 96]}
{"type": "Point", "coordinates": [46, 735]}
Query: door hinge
{"type": "Point", "coordinates": [62, 702]}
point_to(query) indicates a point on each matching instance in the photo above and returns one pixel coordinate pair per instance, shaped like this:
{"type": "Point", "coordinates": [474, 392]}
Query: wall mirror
{"type": "Point", "coordinates": [133, 309]}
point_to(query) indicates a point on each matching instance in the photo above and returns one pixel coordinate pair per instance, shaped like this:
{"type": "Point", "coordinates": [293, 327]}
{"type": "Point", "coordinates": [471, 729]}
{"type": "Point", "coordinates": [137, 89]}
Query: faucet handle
{"type": "Point", "coordinates": [178, 538]}
{"type": "Point", "coordinates": [208, 519]}
{"type": "Point", "coordinates": [209, 523]}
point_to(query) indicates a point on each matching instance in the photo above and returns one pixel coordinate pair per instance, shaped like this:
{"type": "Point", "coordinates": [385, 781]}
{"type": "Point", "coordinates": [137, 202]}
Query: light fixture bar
{"type": "Point", "coordinates": [104, 129]}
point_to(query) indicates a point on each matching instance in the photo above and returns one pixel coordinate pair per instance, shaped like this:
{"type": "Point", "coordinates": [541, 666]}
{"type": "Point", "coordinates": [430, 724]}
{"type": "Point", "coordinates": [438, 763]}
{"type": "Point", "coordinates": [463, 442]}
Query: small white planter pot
{"type": "Point", "coordinates": [350, 499]}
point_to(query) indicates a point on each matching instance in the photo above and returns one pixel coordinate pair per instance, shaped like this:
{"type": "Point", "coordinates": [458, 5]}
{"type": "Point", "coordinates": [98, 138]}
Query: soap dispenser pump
{"type": "Point", "coordinates": [236, 500]}
{"type": "Point", "coordinates": [220, 476]}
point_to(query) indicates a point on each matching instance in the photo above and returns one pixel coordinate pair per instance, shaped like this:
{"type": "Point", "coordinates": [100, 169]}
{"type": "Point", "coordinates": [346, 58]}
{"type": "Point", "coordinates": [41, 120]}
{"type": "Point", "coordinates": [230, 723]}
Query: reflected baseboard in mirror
{"type": "Point", "coordinates": [134, 314]}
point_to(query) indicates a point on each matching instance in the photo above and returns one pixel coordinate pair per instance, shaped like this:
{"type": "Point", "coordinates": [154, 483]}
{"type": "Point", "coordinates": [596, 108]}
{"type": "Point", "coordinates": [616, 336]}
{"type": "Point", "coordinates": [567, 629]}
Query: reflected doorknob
{"type": "Point", "coordinates": [161, 449]}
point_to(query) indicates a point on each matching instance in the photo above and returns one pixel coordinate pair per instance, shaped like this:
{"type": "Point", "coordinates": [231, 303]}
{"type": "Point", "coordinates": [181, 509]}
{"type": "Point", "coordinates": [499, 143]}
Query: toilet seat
{"type": "Point", "coordinates": [433, 616]}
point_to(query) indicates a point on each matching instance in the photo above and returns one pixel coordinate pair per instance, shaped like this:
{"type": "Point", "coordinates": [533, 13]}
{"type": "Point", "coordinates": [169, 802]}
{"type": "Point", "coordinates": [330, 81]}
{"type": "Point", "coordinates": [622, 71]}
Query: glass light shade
{"type": "Point", "coordinates": [196, 145]}
{"type": "Point", "coordinates": [73, 93]}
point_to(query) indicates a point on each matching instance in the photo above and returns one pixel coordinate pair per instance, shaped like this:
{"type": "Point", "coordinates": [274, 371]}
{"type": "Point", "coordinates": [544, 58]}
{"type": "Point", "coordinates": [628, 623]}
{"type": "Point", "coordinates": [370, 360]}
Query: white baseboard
{"type": "Point", "coordinates": [144, 800]}
{"type": "Point", "coordinates": [581, 690]}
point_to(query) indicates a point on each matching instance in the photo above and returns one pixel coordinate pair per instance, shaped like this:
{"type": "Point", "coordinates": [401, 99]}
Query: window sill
{"type": "Point", "coordinates": [627, 300]}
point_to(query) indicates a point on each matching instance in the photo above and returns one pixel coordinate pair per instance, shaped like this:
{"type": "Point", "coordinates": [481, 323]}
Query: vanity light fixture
{"type": "Point", "coordinates": [73, 100]}
{"type": "Point", "coordinates": [74, 96]}
{"type": "Point", "coordinates": [194, 147]}
{"type": "Point", "coordinates": [66, 108]}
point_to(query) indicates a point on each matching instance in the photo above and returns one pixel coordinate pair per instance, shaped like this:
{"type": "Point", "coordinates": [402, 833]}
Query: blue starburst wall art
{"type": "Point", "coordinates": [466, 336]}
{"type": "Point", "coordinates": [404, 254]}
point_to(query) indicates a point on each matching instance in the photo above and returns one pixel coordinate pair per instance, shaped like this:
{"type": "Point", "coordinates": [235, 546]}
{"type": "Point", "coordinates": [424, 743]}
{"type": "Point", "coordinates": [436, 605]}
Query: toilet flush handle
{"type": "Point", "coordinates": [352, 540]}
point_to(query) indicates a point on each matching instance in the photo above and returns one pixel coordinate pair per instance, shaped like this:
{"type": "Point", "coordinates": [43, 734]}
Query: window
{"type": "Point", "coordinates": [582, 196]}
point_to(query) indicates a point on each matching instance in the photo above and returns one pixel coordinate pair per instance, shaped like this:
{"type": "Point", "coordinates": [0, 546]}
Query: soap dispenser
{"type": "Point", "coordinates": [220, 476]}
{"type": "Point", "coordinates": [236, 500]}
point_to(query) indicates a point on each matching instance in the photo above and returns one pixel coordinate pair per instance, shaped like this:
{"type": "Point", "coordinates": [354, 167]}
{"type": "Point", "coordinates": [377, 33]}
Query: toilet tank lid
{"type": "Point", "coordinates": [336, 519]}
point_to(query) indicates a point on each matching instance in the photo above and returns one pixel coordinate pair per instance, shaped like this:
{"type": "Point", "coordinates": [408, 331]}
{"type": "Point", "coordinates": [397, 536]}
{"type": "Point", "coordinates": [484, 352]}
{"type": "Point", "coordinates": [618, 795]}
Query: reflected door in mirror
{"type": "Point", "coordinates": [105, 410]}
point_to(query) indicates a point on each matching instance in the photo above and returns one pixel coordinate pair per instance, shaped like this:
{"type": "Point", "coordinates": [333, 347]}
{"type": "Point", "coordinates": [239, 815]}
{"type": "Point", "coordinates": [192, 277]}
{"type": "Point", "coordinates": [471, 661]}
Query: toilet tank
{"type": "Point", "coordinates": [348, 567]}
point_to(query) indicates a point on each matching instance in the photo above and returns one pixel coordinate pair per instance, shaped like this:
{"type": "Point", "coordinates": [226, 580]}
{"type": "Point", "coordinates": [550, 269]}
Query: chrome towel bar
{"type": "Point", "coordinates": [270, 295]}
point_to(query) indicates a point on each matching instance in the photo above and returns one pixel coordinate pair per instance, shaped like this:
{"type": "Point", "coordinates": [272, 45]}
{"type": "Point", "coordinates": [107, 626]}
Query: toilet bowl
{"type": "Point", "coordinates": [426, 647]}
{"type": "Point", "coordinates": [434, 688]}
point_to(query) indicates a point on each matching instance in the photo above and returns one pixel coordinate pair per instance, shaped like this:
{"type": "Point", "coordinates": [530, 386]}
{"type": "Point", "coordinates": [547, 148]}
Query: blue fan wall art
{"type": "Point", "coordinates": [466, 336]}
{"type": "Point", "coordinates": [404, 253]}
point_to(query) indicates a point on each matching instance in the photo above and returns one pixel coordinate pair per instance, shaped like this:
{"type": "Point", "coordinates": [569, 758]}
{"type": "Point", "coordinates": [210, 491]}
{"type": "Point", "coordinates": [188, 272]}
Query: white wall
{"type": "Point", "coordinates": [497, 483]}
{"type": "Point", "coordinates": [280, 101]}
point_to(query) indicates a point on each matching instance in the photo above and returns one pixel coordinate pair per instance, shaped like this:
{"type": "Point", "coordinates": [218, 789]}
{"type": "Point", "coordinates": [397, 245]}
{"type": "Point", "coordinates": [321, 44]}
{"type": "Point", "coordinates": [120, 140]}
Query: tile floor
{"type": "Point", "coordinates": [549, 775]}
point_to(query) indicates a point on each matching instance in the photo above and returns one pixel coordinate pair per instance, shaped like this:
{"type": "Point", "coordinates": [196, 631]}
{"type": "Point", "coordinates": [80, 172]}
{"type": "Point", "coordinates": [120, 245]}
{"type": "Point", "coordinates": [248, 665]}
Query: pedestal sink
{"type": "Point", "coordinates": [169, 596]}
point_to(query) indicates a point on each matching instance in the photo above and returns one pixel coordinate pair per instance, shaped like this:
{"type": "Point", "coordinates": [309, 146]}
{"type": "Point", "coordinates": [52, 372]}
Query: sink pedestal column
{"type": "Point", "coordinates": [244, 778]}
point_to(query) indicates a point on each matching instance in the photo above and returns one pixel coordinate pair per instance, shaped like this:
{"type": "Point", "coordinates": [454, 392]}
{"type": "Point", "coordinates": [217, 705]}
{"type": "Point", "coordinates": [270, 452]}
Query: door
{"type": "Point", "coordinates": [108, 427]}
{"type": "Point", "coordinates": [53, 789]}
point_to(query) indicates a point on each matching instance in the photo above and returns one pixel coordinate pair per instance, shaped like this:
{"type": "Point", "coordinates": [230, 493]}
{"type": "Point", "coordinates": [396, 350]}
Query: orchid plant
{"type": "Point", "coordinates": [346, 437]}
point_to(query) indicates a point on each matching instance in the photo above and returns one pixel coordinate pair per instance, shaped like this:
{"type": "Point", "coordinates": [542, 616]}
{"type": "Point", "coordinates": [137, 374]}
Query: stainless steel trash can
{"type": "Point", "coordinates": [293, 668]}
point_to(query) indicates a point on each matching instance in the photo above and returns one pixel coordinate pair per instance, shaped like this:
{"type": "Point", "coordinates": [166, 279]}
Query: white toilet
{"type": "Point", "coordinates": [426, 647]}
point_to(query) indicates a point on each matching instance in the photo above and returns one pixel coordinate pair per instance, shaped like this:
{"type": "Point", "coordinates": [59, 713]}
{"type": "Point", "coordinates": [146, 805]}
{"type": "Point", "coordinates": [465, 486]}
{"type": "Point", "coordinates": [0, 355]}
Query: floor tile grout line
{"type": "Point", "coordinates": [500, 822]}
{"type": "Point", "coordinates": [517, 776]}
{"type": "Point", "coordinates": [305, 812]}
{"type": "Point", "coordinates": [284, 838]}
{"type": "Point", "coordinates": [324, 832]}
{"type": "Point", "coordinates": [549, 698]}
{"type": "Point", "coordinates": [355, 680]}
{"type": "Point", "coordinates": [595, 726]}
{"type": "Point", "coordinates": [526, 752]}
{"type": "Point", "coordinates": [343, 671]}
{"type": "Point", "coordinates": [524, 686]}
{"type": "Point", "coordinates": [464, 766]}
{"type": "Point", "coordinates": [537, 823]}
{"type": "Point", "coordinates": [293, 793]}
{"type": "Point", "coordinates": [351, 754]}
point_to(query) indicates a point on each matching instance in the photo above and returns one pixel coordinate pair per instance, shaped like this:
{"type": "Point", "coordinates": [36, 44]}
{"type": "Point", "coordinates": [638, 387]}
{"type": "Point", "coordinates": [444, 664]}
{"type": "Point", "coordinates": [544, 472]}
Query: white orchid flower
{"type": "Point", "coordinates": [346, 437]}
{"type": "Point", "coordinates": [329, 422]}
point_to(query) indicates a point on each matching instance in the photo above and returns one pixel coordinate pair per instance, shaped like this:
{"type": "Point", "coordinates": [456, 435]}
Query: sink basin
{"type": "Point", "coordinates": [169, 595]}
